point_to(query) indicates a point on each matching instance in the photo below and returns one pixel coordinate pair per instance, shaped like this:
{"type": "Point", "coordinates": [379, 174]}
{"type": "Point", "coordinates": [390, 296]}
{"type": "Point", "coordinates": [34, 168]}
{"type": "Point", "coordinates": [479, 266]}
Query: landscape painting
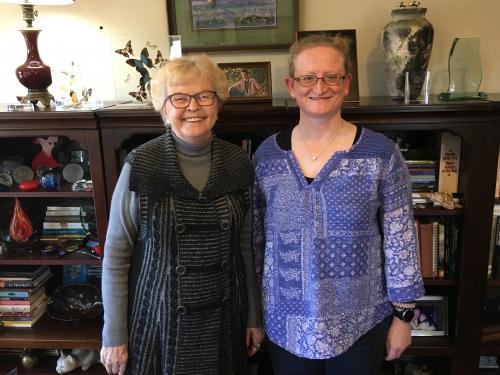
{"type": "Point", "coordinates": [233, 14]}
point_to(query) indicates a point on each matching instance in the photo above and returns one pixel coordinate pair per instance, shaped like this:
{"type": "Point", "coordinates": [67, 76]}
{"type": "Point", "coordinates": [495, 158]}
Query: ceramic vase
{"type": "Point", "coordinates": [20, 229]}
{"type": "Point", "coordinates": [407, 45]}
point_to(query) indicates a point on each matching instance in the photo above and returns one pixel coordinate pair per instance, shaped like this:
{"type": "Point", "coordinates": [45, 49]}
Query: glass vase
{"type": "Point", "coordinates": [20, 229]}
{"type": "Point", "coordinates": [464, 70]}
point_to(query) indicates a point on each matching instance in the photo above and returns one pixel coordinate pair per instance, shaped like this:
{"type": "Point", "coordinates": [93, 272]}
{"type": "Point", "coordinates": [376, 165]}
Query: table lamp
{"type": "Point", "coordinates": [34, 74]}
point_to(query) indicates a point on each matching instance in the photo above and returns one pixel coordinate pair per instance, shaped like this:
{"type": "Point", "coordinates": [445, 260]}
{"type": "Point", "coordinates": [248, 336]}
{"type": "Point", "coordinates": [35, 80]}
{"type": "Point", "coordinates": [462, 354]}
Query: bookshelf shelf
{"type": "Point", "coordinates": [490, 348]}
{"type": "Point", "coordinates": [46, 194]}
{"type": "Point", "coordinates": [435, 281]}
{"type": "Point", "coordinates": [493, 283]}
{"type": "Point", "coordinates": [53, 260]}
{"type": "Point", "coordinates": [437, 211]}
{"type": "Point", "coordinates": [431, 346]}
{"type": "Point", "coordinates": [49, 333]}
{"type": "Point", "coordinates": [45, 366]}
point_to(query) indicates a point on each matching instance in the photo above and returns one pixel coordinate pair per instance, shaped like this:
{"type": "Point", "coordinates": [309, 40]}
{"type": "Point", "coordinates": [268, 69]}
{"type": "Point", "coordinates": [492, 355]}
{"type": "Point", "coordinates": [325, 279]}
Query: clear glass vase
{"type": "Point", "coordinates": [465, 71]}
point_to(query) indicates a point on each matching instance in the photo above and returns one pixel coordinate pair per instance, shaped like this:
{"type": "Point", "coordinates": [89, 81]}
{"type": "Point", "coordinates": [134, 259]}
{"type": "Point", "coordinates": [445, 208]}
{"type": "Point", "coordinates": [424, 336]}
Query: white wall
{"type": "Point", "coordinates": [73, 33]}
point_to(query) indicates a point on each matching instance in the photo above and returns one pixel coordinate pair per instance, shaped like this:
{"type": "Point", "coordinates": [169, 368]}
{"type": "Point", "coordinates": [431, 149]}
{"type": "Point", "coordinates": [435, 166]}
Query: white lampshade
{"type": "Point", "coordinates": [39, 2]}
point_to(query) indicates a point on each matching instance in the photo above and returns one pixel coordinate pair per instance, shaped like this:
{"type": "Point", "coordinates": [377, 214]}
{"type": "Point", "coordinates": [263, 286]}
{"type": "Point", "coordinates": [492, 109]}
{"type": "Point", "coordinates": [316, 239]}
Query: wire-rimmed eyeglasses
{"type": "Point", "coordinates": [180, 100]}
{"type": "Point", "coordinates": [330, 79]}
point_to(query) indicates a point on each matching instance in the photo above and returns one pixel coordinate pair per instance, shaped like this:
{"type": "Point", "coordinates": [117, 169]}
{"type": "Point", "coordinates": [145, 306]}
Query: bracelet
{"type": "Point", "coordinates": [404, 305]}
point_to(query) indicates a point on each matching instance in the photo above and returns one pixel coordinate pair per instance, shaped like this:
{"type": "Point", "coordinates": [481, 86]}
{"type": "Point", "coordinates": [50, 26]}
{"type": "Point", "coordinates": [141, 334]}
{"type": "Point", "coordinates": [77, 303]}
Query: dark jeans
{"type": "Point", "coordinates": [365, 357]}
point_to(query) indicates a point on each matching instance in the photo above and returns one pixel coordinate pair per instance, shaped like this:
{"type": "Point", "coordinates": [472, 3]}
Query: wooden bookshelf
{"type": "Point", "coordinates": [107, 135]}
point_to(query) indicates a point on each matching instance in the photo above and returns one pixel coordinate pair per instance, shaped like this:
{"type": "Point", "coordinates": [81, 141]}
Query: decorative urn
{"type": "Point", "coordinates": [407, 45]}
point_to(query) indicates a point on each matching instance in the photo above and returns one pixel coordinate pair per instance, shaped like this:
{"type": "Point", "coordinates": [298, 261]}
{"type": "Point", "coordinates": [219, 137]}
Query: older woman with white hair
{"type": "Point", "coordinates": [179, 287]}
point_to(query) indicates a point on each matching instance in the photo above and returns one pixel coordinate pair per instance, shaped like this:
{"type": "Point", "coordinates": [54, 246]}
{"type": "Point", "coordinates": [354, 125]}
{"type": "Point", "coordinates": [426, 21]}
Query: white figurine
{"type": "Point", "coordinates": [83, 358]}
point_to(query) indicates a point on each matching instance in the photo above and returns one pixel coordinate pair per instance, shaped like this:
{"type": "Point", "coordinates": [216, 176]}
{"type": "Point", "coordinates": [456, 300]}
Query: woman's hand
{"type": "Point", "coordinates": [398, 339]}
{"type": "Point", "coordinates": [253, 340]}
{"type": "Point", "coordinates": [114, 359]}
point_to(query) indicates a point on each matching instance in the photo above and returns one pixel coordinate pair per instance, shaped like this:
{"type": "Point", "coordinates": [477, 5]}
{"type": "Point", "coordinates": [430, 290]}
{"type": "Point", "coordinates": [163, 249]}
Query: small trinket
{"type": "Point", "coordinates": [29, 185]}
{"type": "Point", "coordinates": [50, 181]}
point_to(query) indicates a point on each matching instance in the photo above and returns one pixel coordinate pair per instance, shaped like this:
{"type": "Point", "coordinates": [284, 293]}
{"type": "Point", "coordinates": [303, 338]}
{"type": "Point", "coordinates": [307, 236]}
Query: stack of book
{"type": "Point", "coordinates": [422, 175]}
{"type": "Point", "coordinates": [23, 300]}
{"type": "Point", "coordinates": [63, 223]}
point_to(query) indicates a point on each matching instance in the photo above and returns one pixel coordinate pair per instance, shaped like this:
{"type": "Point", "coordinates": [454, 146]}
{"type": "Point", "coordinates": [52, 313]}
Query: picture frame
{"type": "Point", "coordinates": [350, 36]}
{"type": "Point", "coordinates": [218, 25]}
{"type": "Point", "coordinates": [431, 316]}
{"type": "Point", "coordinates": [248, 81]}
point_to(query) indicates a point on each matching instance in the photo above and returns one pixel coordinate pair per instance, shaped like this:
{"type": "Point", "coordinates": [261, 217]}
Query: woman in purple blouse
{"type": "Point", "coordinates": [334, 235]}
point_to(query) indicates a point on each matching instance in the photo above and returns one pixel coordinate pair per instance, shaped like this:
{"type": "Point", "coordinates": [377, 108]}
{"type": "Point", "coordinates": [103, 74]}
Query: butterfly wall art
{"type": "Point", "coordinates": [142, 57]}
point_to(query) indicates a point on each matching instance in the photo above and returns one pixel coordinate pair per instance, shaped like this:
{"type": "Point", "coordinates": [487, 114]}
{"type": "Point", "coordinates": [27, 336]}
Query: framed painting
{"type": "Point", "coordinates": [350, 37]}
{"type": "Point", "coordinates": [248, 82]}
{"type": "Point", "coordinates": [431, 316]}
{"type": "Point", "coordinates": [233, 25]}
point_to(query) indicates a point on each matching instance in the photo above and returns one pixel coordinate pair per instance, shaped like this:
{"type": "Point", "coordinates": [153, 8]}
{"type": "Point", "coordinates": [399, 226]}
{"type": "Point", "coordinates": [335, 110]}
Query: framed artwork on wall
{"type": "Point", "coordinates": [250, 81]}
{"type": "Point", "coordinates": [233, 25]}
{"type": "Point", "coordinates": [350, 37]}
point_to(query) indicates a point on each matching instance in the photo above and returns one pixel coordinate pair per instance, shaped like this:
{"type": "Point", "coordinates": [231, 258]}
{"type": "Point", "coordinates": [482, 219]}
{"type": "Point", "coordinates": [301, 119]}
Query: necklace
{"type": "Point", "coordinates": [334, 137]}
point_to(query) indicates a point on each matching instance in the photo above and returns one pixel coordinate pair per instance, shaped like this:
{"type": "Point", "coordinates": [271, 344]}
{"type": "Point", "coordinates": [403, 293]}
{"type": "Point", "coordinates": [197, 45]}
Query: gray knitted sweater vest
{"type": "Point", "coordinates": [187, 298]}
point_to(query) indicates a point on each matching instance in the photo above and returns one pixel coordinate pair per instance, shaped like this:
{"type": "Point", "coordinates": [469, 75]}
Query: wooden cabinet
{"type": "Point", "coordinates": [110, 133]}
{"type": "Point", "coordinates": [77, 131]}
{"type": "Point", "coordinates": [478, 125]}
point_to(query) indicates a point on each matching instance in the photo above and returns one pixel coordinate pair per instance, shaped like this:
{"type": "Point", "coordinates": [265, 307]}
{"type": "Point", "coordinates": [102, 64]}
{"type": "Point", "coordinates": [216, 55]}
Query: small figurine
{"type": "Point", "coordinates": [44, 158]}
{"type": "Point", "coordinates": [86, 93]}
{"type": "Point", "coordinates": [83, 358]}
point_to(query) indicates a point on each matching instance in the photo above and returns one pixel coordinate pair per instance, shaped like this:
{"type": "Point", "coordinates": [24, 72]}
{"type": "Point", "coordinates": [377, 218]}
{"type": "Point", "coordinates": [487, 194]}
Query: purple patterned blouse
{"type": "Point", "coordinates": [332, 255]}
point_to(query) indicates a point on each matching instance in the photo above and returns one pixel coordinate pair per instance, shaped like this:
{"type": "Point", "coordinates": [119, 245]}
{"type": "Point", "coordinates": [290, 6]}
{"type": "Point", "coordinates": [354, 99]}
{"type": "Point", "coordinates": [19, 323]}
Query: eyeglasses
{"type": "Point", "coordinates": [309, 80]}
{"type": "Point", "coordinates": [204, 98]}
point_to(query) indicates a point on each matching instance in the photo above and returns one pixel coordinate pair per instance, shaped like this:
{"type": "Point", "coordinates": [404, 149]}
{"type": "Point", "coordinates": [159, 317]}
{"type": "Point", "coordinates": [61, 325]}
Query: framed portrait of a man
{"type": "Point", "coordinates": [249, 81]}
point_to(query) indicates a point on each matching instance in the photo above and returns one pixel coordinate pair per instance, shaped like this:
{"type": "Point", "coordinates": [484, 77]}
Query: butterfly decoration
{"type": "Point", "coordinates": [127, 51]}
{"type": "Point", "coordinates": [86, 93]}
{"type": "Point", "coordinates": [143, 64]}
{"type": "Point", "coordinates": [159, 60]}
{"type": "Point", "coordinates": [140, 95]}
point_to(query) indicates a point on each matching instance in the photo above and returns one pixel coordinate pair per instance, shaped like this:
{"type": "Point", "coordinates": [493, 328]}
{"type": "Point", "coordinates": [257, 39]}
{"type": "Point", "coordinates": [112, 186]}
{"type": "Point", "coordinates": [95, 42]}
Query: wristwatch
{"type": "Point", "coordinates": [406, 315]}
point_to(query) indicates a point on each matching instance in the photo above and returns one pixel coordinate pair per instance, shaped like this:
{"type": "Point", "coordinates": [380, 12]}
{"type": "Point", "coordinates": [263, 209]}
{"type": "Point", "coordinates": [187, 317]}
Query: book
{"type": "Point", "coordinates": [65, 213]}
{"type": "Point", "coordinates": [42, 299]}
{"type": "Point", "coordinates": [21, 272]}
{"type": "Point", "coordinates": [441, 250]}
{"type": "Point", "coordinates": [28, 283]}
{"type": "Point", "coordinates": [24, 323]}
{"type": "Point", "coordinates": [62, 219]}
{"type": "Point", "coordinates": [493, 242]}
{"type": "Point", "coordinates": [497, 185]}
{"type": "Point", "coordinates": [426, 242]}
{"type": "Point", "coordinates": [22, 300]}
{"type": "Point", "coordinates": [20, 293]}
{"type": "Point", "coordinates": [62, 225]}
{"type": "Point", "coordinates": [61, 231]}
{"type": "Point", "coordinates": [449, 164]}
{"type": "Point", "coordinates": [64, 208]}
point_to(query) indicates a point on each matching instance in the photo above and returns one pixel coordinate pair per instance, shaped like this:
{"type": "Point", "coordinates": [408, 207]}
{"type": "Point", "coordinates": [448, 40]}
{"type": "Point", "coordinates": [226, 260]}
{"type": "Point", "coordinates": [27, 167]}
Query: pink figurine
{"type": "Point", "coordinates": [44, 158]}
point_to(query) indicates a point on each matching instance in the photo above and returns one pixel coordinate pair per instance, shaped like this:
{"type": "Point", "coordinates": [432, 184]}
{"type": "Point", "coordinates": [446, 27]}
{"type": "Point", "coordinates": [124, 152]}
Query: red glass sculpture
{"type": "Point", "coordinates": [20, 225]}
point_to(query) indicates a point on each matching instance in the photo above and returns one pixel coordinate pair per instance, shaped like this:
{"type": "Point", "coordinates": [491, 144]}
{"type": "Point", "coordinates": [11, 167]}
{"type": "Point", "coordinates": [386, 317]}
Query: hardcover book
{"type": "Point", "coordinates": [27, 282]}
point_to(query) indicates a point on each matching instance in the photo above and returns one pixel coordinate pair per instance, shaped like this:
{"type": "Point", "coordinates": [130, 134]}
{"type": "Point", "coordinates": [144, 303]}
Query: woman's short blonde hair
{"type": "Point", "coordinates": [182, 71]}
{"type": "Point", "coordinates": [316, 40]}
